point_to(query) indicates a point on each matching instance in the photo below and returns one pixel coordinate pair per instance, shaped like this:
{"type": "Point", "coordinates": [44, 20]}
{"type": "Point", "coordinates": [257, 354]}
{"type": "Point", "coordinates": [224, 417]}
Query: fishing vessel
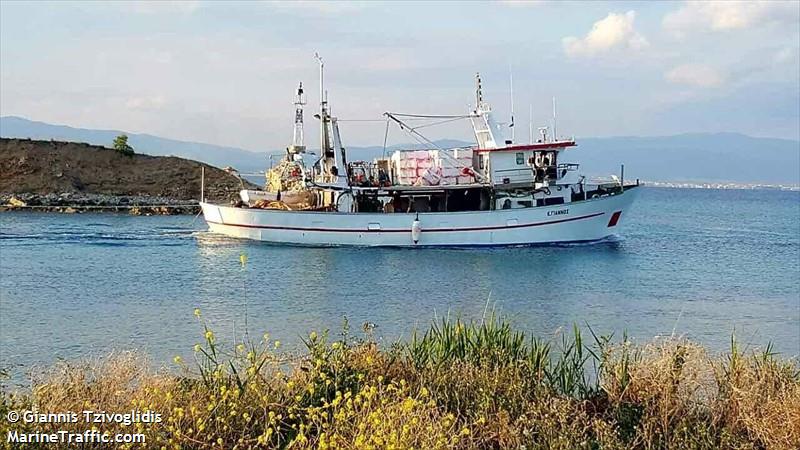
{"type": "Point", "coordinates": [496, 192]}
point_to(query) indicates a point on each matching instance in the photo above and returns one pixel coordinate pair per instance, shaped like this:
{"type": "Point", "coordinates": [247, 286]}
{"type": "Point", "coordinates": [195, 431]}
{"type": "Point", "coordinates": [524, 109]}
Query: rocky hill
{"type": "Point", "coordinates": [43, 168]}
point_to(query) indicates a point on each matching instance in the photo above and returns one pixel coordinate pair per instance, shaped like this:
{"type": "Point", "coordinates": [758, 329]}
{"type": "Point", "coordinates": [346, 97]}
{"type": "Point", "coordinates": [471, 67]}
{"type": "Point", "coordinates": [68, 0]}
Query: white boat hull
{"type": "Point", "coordinates": [583, 221]}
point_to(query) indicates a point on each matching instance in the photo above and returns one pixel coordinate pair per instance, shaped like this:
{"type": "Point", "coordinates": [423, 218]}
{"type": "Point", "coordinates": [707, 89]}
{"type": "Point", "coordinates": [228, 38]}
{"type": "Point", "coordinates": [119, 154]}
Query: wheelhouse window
{"type": "Point", "coordinates": [520, 158]}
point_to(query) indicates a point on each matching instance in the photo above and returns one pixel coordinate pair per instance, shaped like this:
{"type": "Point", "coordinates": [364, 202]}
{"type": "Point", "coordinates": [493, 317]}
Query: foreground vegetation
{"type": "Point", "coordinates": [455, 386]}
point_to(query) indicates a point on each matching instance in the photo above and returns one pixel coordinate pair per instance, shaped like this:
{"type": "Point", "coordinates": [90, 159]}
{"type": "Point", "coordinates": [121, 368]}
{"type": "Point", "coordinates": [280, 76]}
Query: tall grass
{"type": "Point", "coordinates": [455, 385]}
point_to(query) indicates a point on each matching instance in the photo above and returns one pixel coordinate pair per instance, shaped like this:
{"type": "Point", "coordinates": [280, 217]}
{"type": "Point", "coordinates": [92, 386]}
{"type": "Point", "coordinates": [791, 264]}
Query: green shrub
{"type": "Point", "coordinates": [121, 145]}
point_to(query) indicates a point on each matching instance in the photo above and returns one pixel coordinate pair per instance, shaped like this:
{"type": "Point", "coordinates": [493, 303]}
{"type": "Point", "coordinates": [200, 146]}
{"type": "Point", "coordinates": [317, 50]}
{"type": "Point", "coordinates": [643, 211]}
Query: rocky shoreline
{"type": "Point", "coordinates": [73, 177]}
{"type": "Point", "coordinates": [71, 203]}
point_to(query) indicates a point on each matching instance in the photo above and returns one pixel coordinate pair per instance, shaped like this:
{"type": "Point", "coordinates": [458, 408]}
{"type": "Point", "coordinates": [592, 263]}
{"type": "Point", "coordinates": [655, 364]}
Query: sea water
{"type": "Point", "coordinates": [697, 263]}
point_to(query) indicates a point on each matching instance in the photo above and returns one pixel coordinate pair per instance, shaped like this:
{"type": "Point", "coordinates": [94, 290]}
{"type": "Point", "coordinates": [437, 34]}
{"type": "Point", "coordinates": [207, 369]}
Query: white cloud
{"type": "Point", "coordinates": [697, 75]}
{"type": "Point", "coordinates": [146, 103]}
{"type": "Point", "coordinates": [523, 3]}
{"type": "Point", "coordinates": [729, 15]}
{"type": "Point", "coordinates": [156, 7]}
{"type": "Point", "coordinates": [387, 61]}
{"type": "Point", "coordinates": [616, 31]}
{"type": "Point", "coordinates": [786, 55]}
{"type": "Point", "coordinates": [320, 7]}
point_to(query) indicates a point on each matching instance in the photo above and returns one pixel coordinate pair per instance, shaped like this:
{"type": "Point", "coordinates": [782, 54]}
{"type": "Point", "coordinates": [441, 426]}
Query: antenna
{"type": "Point", "coordinates": [530, 124]}
{"type": "Point", "coordinates": [478, 91]}
{"type": "Point", "coordinates": [324, 118]}
{"type": "Point", "coordinates": [511, 79]}
{"type": "Point", "coordinates": [321, 78]}
{"type": "Point", "coordinates": [555, 134]}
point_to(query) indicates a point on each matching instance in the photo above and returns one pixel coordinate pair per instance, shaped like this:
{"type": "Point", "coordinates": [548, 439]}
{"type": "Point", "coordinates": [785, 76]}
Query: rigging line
{"type": "Point", "coordinates": [418, 137]}
{"type": "Point", "coordinates": [431, 116]}
{"type": "Point", "coordinates": [437, 123]}
{"type": "Point", "coordinates": [411, 131]}
{"type": "Point", "coordinates": [195, 217]}
{"type": "Point", "coordinates": [359, 120]}
{"type": "Point", "coordinates": [444, 152]}
{"type": "Point", "coordinates": [385, 137]}
{"type": "Point", "coordinates": [379, 120]}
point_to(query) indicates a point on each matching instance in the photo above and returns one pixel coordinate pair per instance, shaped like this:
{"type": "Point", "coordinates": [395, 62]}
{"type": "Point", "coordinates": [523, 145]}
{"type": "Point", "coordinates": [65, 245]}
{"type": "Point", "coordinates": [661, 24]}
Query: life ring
{"type": "Point", "coordinates": [346, 202]}
{"type": "Point", "coordinates": [595, 195]}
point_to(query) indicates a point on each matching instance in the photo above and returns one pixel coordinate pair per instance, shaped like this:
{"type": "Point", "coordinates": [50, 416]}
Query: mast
{"type": "Point", "coordinates": [327, 157]}
{"type": "Point", "coordinates": [482, 122]}
{"type": "Point", "coordinates": [298, 145]}
{"type": "Point", "coordinates": [530, 125]}
{"type": "Point", "coordinates": [478, 92]}
{"type": "Point", "coordinates": [555, 134]}
{"type": "Point", "coordinates": [511, 79]}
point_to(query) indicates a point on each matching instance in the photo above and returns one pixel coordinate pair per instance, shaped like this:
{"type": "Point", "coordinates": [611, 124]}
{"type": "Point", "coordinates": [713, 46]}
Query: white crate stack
{"type": "Point", "coordinates": [409, 165]}
{"type": "Point", "coordinates": [432, 167]}
{"type": "Point", "coordinates": [451, 164]}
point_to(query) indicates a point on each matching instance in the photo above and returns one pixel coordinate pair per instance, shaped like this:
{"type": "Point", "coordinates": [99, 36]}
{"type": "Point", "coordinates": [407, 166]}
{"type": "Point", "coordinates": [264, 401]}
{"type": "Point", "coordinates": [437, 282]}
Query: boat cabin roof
{"type": "Point", "coordinates": [558, 145]}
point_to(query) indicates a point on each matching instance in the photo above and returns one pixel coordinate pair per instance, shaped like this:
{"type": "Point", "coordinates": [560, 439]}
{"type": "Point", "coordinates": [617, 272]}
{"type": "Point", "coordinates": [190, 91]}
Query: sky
{"type": "Point", "coordinates": [225, 73]}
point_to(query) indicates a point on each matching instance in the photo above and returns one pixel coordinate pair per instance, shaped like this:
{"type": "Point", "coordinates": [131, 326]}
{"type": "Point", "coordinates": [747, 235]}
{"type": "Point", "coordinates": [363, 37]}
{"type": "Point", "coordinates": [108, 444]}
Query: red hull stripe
{"type": "Point", "coordinates": [408, 230]}
{"type": "Point", "coordinates": [614, 219]}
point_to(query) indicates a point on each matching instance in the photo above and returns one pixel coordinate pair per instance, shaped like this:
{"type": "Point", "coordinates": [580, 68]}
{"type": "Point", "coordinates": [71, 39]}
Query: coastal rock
{"type": "Point", "coordinates": [59, 176]}
{"type": "Point", "coordinates": [135, 205]}
{"type": "Point", "coordinates": [13, 201]}
{"type": "Point", "coordinates": [80, 173]}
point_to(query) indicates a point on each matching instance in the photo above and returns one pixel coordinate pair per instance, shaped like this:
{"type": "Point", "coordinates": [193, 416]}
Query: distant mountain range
{"type": "Point", "coordinates": [699, 157]}
{"type": "Point", "coordinates": [18, 127]}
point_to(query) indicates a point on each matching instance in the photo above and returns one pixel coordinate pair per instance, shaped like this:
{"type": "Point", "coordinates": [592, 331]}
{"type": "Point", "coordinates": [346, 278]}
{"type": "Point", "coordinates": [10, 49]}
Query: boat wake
{"type": "Point", "coordinates": [153, 237]}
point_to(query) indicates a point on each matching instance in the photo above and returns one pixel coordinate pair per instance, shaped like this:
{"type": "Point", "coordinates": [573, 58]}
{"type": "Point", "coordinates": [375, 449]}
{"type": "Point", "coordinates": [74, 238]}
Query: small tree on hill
{"type": "Point", "coordinates": [121, 145]}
